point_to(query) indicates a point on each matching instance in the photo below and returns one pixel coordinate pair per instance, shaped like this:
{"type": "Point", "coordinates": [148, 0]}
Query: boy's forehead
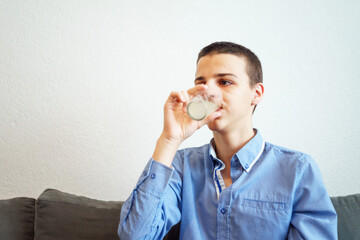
{"type": "Point", "coordinates": [222, 62]}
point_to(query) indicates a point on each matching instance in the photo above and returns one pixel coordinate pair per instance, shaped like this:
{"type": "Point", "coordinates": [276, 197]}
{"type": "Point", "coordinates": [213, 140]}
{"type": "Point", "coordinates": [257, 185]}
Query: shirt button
{"type": "Point", "coordinates": [223, 210]}
{"type": "Point", "coordinates": [246, 166]}
{"type": "Point", "coordinates": [153, 176]}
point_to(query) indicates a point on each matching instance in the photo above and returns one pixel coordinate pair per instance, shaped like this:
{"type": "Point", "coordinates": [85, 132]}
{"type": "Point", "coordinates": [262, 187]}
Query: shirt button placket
{"type": "Point", "coordinates": [222, 224]}
{"type": "Point", "coordinates": [223, 214]}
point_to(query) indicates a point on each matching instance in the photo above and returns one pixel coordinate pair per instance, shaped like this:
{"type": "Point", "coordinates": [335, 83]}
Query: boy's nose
{"type": "Point", "coordinates": [211, 83]}
{"type": "Point", "coordinates": [214, 91]}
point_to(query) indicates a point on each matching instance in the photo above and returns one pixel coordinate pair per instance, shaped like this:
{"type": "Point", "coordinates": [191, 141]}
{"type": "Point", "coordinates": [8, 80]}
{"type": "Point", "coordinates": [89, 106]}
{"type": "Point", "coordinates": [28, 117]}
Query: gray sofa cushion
{"type": "Point", "coordinates": [17, 219]}
{"type": "Point", "coordinates": [65, 216]}
{"type": "Point", "coordinates": [348, 211]}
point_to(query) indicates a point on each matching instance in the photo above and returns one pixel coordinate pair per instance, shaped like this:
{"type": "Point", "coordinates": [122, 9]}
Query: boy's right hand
{"type": "Point", "coordinates": [178, 126]}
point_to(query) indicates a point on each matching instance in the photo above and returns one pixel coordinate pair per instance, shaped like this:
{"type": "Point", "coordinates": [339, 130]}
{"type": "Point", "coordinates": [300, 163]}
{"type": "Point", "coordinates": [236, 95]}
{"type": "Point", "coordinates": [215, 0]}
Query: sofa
{"type": "Point", "coordinates": [59, 215]}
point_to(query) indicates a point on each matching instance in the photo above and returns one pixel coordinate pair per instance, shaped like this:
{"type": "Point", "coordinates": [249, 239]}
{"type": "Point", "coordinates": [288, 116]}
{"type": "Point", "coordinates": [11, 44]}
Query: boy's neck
{"type": "Point", "coordinates": [228, 144]}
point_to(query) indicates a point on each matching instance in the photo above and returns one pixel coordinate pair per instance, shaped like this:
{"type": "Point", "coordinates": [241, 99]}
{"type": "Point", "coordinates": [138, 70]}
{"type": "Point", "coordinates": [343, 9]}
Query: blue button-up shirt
{"type": "Point", "coordinates": [277, 193]}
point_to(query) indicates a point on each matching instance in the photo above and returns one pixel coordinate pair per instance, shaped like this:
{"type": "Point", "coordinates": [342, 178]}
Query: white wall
{"type": "Point", "coordinates": [82, 85]}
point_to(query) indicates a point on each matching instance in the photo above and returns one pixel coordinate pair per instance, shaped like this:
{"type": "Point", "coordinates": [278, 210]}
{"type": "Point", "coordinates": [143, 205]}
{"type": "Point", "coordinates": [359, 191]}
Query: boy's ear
{"type": "Point", "coordinates": [258, 94]}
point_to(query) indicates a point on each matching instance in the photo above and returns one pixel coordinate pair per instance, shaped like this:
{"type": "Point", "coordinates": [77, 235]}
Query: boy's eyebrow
{"type": "Point", "coordinates": [199, 79]}
{"type": "Point", "coordinates": [225, 74]}
{"type": "Point", "coordinates": [216, 75]}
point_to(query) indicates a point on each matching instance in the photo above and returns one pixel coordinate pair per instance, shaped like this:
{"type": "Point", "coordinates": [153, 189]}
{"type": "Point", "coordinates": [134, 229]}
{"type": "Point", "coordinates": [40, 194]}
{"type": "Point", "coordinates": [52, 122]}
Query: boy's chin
{"type": "Point", "coordinates": [214, 125]}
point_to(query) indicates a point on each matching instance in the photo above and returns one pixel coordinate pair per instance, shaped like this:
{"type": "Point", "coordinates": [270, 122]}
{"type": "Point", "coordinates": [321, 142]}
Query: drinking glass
{"type": "Point", "coordinates": [204, 103]}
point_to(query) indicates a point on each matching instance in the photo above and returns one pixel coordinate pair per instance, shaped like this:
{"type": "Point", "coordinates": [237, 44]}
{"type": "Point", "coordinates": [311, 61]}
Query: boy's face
{"type": "Point", "coordinates": [228, 73]}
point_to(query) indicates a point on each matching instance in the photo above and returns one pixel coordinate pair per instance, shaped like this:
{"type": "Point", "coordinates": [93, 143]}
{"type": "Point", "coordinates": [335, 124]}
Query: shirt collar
{"type": "Point", "coordinates": [247, 155]}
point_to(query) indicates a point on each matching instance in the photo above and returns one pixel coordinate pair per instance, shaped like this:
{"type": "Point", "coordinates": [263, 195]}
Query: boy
{"type": "Point", "coordinates": [235, 187]}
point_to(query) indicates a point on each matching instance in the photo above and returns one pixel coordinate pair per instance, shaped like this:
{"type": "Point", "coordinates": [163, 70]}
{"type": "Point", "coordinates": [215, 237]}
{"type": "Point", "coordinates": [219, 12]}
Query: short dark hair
{"type": "Point", "coordinates": [253, 65]}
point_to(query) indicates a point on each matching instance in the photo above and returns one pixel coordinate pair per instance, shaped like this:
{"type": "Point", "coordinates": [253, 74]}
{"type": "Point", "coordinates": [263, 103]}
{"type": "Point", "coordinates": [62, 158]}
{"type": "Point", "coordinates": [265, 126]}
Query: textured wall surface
{"type": "Point", "coordinates": [82, 85]}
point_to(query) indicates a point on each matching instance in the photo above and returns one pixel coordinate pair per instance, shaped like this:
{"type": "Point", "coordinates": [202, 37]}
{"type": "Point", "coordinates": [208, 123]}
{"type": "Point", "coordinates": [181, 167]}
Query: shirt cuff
{"type": "Point", "coordinates": [154, 178]}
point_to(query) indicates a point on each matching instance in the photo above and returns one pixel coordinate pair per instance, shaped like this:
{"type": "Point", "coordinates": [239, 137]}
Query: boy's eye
{"type": "Point", "coordinates": [200, 83]}
{"type": "Point", "coordinates": [224, 82]}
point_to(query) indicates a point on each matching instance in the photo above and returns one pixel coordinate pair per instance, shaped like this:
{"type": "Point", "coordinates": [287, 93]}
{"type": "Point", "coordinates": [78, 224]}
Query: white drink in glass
{"type": "Point", "coordinates": [199, 108]}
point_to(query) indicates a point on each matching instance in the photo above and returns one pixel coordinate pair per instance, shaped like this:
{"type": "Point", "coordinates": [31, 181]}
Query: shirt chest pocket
{"type": "Point", "coordinates": [266, 219]}
{"type": "Point", "coordinates": [260, 209]}
{"type": "Point", "coordinates": [264, 205]}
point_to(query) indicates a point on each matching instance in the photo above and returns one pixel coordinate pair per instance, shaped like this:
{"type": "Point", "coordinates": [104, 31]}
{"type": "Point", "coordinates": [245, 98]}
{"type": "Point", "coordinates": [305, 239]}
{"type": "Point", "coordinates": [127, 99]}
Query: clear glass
{"type": "Point", "coordinates": [204, 103]}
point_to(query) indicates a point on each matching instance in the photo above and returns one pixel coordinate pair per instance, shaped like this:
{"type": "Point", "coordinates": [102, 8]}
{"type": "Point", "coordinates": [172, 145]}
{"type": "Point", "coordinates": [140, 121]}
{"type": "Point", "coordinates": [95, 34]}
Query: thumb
{"type": "Point", "coordinates": [211, 118]}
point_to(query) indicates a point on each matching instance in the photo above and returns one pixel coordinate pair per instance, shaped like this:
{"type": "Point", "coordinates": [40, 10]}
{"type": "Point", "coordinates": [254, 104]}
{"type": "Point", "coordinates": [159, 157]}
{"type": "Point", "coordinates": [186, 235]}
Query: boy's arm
{"type": "Point", "coordinates": [154, 205]}
{"type": "Point", "coordinates": [314, 216]}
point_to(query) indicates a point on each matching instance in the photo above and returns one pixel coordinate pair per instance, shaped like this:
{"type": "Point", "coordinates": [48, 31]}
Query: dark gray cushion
{"type": "Point", "coordinates": [348, 211]}
{"type": "Point", "coordinates": [173, 233]}
{"type": "Point", "coordinates": [17, 219]}
{"type": "Point", "coordinates": [62, 216]}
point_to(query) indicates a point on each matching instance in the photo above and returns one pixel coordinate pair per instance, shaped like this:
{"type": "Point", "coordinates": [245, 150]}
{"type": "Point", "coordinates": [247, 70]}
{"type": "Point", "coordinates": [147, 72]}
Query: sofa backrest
{"type": "Point", "coordinates": [17, 219]}
{"type": "Point", "coordinates": [62, 215]}
{"type": "Point", "coordinates": [348, 211]}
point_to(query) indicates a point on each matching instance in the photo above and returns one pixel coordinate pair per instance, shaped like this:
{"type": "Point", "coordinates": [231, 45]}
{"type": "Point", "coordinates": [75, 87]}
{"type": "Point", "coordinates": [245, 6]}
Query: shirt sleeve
{"type": "Point", "coordinates": [153, 206]}
{"type": "Point", "coordinates": [314, 216]}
